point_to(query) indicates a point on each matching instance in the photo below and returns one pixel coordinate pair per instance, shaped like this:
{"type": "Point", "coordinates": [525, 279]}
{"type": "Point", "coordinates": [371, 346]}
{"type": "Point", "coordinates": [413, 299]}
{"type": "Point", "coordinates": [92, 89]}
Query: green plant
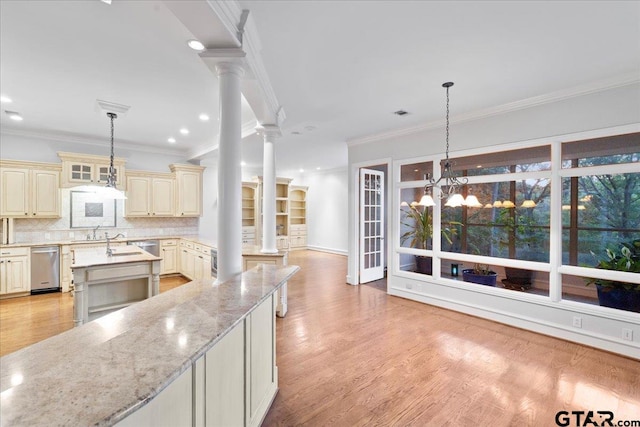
{"type": "Point", "coordinates": [482, 269]}
{"type": "Point", "coordinates": [419, 225]}
{"type": "Point", "coordinates": [627, 259]}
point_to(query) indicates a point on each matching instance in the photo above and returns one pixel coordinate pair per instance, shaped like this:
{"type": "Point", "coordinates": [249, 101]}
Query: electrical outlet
{"type": "Point", "coordinates": [577, 322]}
{"type": "Point", "coordinates": [627, 334]}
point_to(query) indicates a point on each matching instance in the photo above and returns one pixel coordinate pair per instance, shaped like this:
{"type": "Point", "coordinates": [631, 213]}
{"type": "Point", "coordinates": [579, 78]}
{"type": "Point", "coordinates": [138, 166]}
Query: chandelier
{"type": "Point", "coordinates": [448, 183]}
{"type": "Point", "coordinates": [109, 191]}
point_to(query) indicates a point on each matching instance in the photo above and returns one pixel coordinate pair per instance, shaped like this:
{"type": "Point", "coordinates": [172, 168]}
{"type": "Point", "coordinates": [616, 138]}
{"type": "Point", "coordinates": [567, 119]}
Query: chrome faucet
{"type": "Point", "coordinates": [109, 239]}
{"type": "Point", "coordinates": [94, 232]}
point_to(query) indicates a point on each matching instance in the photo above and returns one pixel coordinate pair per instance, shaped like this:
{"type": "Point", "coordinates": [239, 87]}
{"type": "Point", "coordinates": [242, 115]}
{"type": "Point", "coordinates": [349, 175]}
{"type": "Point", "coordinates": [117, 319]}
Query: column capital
{"type": "Point", "coordinates": [229, 68]}
{"type": "Point", "coordinates": [269, 131]}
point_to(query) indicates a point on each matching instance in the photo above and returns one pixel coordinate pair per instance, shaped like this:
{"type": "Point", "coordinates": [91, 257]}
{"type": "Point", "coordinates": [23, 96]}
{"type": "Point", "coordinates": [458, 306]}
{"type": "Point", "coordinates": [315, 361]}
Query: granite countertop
{"type": "Point", "coordinates": [121, 255]}
{"type": "Point", "coordinates": [99, 373]}
{"type": "Point", "coordinates": [194, 238]}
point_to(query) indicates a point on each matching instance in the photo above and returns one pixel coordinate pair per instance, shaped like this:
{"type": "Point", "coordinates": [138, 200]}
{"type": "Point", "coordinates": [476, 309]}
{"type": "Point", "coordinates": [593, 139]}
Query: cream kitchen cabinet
{"type": "Point", "coordinates": [149, 194]}
{"type": "Point", "coordinates": [169, 254]}
{"type": "Point", "coordinates": [79, 169]}
{"type": "Point", "coordinates": [195, 260]}
{"type": "Point", "coordinates": [29, 189]}
{"type": "Point", "coordinates": [15, 272]}
{"type": "Point", "coordinates": [188, 189]}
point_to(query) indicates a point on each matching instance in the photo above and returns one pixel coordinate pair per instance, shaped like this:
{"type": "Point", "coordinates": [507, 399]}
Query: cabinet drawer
{"type": "Point", "coordinates": [168, 243]}
{"type": "Point", "coordinates": [187, 244]}
{"type": "Point", "coordinates": [298, 227]}
{"type": "Point", "coordinates": [298, 232]}
{"type": "Point", "coordinates": [248, 230]}
{"type": "Point", "coordinates": [205, 250]}
{"type": "Point", "coordinates": [14, 251]}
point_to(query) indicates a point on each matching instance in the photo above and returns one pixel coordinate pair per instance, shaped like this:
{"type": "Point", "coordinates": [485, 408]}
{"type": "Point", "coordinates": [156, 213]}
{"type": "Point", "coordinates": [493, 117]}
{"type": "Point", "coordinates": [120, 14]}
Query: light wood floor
{"type": "Point", "coordinates": [27, 320]}
{"type": "Point", "coordinates": [354, 356]}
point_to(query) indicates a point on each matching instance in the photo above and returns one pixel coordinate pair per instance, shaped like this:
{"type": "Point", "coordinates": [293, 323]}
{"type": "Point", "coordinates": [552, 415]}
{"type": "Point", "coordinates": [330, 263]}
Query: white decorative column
{"type": "Point", "coordinates": [269, 133]}
{"type": "Point", "coordinates": [229, 172]}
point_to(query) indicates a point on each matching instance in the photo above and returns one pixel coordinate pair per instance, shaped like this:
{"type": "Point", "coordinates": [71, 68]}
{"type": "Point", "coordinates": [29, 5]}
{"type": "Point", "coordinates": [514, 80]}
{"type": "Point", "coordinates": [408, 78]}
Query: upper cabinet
{"type": "Point", "coordinates": [80, 169]}
{"type": "Point", "coordinates": [29, 189]}
{"type": "Point", "coordinates": [188, 189]}
{"type": "Point", "coordinates": [150, 194]}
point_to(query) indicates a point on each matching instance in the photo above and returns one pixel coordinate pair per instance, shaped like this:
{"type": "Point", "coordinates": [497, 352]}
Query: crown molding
{"type": "Point", "coordinates": [89, 140]}
{"type": "Point", "coordinates": [594, 87]}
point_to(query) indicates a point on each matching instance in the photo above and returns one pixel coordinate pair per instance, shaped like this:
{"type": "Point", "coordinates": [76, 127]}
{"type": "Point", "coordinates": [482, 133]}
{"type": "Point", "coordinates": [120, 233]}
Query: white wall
{"type": "Point", "coordinates": [41, 148]}
{"type": "Point", "coordinates": [326, 210]}
{"type": "Point", "coordinates": [209, 221]}
{"type": "Point", "coordinates": [600, 110]}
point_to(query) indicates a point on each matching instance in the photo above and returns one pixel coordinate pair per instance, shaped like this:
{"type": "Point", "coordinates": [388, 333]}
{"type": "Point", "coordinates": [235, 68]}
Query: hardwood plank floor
{"type": "Point", "coordinates": [27, 320]}
{"type": "Point", "coordinates": [355, 356]}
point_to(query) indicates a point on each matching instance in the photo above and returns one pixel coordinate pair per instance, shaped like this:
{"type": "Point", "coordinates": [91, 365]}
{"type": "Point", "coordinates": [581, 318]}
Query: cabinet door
{"type": "Point", "coordinates": [17, 273]}
{"type": "Point", "coordinates": [45, 193]}
{"type": "Point", "coordinates": [102, 174]}
{"type": "Point", "coordinates": [138, 196]}
{"type": "Point", "coordinates": [198, 265]}
{"type": "Point", "coordinates": [15, 192]}
{"type": "Point", "coordinates": [189, 194]}
{"type": "Point", "coordinates": [81, 172]}
{"type": "Point", "coordinates": [3, 276]}
{"type": "Point", "coordinates": [168, 264]}
{"type": "Point", "coordinates": [163, 197]}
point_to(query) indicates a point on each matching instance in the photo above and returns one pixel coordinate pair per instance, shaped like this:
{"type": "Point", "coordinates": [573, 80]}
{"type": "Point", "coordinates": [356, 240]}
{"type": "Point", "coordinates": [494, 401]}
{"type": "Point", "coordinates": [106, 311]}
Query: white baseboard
{"type": "Point", "coordinates": [328, 250]}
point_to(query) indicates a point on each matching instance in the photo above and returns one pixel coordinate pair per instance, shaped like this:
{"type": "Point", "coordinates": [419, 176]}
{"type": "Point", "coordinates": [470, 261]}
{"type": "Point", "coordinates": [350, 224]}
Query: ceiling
{"type": "Point", "coordinates": [338, 68]}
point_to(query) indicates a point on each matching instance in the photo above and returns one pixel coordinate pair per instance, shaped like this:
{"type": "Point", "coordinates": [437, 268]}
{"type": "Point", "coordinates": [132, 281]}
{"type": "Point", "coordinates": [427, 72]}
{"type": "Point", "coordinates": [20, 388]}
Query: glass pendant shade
{"type": "Point", "coordinates": [508, 204]}
{"type": "Point", "coordinates": [426, 200]}
{"type": "Point", "coordinates": [528, 204]}
{"type": "Point", "coordinates": [472, 201]}
{"type": "Point", "coordinates": [455, 200]}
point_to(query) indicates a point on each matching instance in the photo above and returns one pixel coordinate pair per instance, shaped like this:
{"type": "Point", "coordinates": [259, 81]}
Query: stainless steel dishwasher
{"type": "Point", "coordinates": [151, 246]}
{"type": "Point", "coordinates": [45, 269]}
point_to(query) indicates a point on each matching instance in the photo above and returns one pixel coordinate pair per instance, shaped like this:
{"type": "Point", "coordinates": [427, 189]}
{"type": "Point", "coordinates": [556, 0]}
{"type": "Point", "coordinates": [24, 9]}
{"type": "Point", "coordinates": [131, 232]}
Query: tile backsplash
{"type": "Point", "coordinates": [59, 229]}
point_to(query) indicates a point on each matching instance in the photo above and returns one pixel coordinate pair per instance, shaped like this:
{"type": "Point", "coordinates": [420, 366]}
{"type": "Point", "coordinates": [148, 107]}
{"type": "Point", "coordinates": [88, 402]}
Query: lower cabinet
{"type": "Point", "coordinates": [195, 260]}
{"type": "Point", "coordinates": [15, 271]}
{"type": "Point", "coordinates": [169, 254]}
{"type": "Point", "coordinates": [233, 384]}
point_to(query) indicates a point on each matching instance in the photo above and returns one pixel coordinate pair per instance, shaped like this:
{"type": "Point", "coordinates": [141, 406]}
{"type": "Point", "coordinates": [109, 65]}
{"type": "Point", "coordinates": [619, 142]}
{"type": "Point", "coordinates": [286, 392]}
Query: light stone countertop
{"type": "Point", "coordinates": [99, 373]}
{"type": "Point", "coordinates": [121, 255]}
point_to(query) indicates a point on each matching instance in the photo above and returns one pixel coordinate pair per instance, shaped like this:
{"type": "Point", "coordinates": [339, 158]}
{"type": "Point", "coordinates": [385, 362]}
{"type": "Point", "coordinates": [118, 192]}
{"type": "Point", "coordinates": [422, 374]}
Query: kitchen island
{"type": "Point", "coordinates": [199, 351]}
{"type": "Point", "coordinates": [106, 283]}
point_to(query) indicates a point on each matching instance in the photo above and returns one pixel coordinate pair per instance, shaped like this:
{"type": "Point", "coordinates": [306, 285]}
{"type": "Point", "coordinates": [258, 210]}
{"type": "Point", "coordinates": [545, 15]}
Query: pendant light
{"type": "Point", "coordinates": [448, 183]}
{"type": "Point", "coordinates": [109, 191]}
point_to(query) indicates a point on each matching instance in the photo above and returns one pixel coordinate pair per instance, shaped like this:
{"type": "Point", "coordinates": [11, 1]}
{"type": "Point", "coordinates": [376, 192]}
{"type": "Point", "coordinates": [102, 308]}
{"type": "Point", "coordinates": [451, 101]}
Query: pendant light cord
{"type": "Point", "coordinates": [111, 181]}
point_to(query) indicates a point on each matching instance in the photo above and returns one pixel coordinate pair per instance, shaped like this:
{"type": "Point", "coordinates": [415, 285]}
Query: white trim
{"type": "Point", "coordinates": [602, 85]}
{"type": "Point", "coordinates": [328, 250]}
{"type": "Point", "coordinates": [354, 278]}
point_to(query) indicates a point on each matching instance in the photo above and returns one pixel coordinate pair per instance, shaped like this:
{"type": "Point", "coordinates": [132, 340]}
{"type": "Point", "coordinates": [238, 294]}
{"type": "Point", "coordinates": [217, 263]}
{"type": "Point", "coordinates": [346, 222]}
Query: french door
{"type": "Point", "coordinates": [371, 225]}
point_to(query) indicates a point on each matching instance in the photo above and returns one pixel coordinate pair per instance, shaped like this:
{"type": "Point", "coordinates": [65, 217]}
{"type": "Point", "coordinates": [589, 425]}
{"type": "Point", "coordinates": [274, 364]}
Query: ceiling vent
{"type": "Point", "coordinates": [400, 113]}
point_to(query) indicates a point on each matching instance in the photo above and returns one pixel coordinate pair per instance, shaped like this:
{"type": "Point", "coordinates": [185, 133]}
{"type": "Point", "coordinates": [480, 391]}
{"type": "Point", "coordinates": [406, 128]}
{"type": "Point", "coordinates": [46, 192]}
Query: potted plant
{"type": "Point", "coordinates": [480, 274]}
{"type": "Point", "coordinates": [614, 294]}
{"type": "Point", "coordinates": [418, 221]}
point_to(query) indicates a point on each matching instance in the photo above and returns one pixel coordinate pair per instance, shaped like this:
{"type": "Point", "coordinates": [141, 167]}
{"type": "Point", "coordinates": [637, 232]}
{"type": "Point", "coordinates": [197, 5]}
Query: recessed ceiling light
{"type": "Point", "coordinates": [243, 163]}
{"type": "Point", "coordinates": [106, 1]}
{"type": "Point", "coordinates": [318, 168]}
{"type": "Point", "coordinates": [5, 99]}
{"type": "Point", "coordinates": [301, 170]}
{"type": "Point", "coordinates": [14, 115]}
{"type": "Point", "coordinates": [195, 45]}
{"type": "Point", "coordinates": [184, 131]}
{"type": "Point", "coordinates": [203, 117]}
{"type": "Point", "coordinates": [171, 140]}
{"type": "Point", "coordinates": [400, 113]}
